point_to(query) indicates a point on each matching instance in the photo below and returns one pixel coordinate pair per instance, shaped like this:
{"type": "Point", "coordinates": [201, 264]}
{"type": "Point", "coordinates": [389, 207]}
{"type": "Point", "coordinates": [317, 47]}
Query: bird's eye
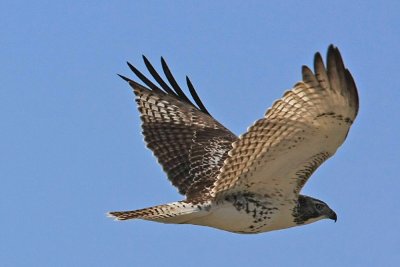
{"type": "Point", "coordinates": [319, 206]}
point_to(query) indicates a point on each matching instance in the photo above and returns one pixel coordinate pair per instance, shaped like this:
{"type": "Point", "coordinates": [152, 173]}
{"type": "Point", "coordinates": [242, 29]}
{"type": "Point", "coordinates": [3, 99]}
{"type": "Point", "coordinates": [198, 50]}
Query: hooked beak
{"type": "Point", "coordinates": [332, 215]}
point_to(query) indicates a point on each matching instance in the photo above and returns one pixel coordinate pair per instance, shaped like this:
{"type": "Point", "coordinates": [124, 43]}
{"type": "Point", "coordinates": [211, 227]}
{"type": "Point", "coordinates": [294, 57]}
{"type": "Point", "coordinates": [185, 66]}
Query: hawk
{"type": "Point", "coordinates": [251, 183]}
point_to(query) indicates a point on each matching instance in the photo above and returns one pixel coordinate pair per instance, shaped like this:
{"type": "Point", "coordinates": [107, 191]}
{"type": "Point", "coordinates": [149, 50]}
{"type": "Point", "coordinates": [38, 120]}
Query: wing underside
{"type": "Point", "coordinates": [187, 141]}
{"type": "Point", "coordinates": [298, 133]}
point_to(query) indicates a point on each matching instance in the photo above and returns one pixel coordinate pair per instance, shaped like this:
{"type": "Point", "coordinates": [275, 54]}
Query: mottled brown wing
{"type": "Point", "coordinates": [279, 152]}
{"type": "Point", "coordinates": [188, 142]}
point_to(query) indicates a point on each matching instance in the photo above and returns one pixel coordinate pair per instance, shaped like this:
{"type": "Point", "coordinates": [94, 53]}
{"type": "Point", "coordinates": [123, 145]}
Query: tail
{"type": "Point", "coordinates": [175, 212]}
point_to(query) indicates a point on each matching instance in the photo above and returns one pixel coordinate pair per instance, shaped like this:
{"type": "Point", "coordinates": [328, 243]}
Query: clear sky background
{"type": "Point", "coordinates": [71, 148]}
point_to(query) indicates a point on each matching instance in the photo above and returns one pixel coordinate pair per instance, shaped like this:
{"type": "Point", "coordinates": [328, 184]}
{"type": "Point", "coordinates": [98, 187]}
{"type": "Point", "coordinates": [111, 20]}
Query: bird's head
{"type": "Point", "coordinates": [310, 210]}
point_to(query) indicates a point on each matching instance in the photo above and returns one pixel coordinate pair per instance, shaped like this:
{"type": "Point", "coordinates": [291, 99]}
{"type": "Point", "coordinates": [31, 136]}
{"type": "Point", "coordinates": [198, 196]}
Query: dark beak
{"type": "Point", "coordinates": [332, 216]}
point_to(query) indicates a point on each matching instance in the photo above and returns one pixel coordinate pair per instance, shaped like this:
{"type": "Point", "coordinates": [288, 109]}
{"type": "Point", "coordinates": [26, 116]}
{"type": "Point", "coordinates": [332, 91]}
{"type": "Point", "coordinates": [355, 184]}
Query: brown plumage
{"type": "Point", "coordinates": [251, 183]}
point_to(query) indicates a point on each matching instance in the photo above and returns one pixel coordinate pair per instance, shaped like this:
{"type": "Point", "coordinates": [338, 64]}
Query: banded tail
{"type": "Point", "coordinates": [175, 212]}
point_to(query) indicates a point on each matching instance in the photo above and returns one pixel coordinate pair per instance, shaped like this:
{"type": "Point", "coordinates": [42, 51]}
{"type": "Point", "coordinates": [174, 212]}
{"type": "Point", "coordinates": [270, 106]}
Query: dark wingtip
{"type": "Point", "coordinates": [336, 67]}
{"type": "Point", "coordinates": [157, 77]}
{"type": "Point", "coordinates": [196, 96]}
{"type": "Point", "coordinates": [143, 78]}
{"type": "Point", "coordinates": [163, 61]}
{"type": "Point", "coordinates": [131, 67]}
{"type": "Point", "coordinates": [307, 74]}
{"type": "Point", "coordinates": [332, 49]}
{"type": "Point", "coordinates": [188, 82]}
{"type": "Point", "coordinates": [124, 78]}
{"type": "Point", "coordinates": [318, 58]}
{"type": "Point", "coordinates": [146, 61]}
{"type": "Point", "coordinates": [305, 68]}
{"type": "Point", "coordinates": [173, 82]}
{"type": "Point", "coordinates": [175, 91]}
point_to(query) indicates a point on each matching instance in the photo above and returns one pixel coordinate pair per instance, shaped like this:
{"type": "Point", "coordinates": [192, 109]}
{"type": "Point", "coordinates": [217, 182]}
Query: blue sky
{"type": "Point", "coordinates": [71, 148]}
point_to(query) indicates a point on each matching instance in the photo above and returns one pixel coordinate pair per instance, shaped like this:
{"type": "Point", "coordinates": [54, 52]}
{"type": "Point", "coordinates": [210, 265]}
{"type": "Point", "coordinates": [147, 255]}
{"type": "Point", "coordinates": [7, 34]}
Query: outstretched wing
{"type": "Point", "coordinates": [188, 142]}
{"type": "Point", "coordinates": [277, 155]}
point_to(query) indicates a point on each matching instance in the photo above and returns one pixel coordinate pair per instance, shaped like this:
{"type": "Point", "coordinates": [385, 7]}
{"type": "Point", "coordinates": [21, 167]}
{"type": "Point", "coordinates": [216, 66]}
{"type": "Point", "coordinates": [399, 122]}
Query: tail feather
{"type": "Point", "coordinates": [175, 212]}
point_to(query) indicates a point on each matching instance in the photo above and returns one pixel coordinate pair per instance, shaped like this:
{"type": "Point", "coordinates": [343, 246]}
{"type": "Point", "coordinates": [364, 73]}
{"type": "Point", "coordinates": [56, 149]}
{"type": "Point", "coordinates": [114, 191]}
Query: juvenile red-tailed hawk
{"type": "Point", "coordinates": [251, 183]}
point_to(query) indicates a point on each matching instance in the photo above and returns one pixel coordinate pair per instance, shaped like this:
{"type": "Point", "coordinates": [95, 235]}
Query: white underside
{"type": "Point", "coordinates": [226, 217]}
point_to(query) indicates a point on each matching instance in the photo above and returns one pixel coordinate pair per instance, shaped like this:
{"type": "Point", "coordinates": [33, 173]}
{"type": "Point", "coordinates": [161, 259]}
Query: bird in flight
{"type": "Point", "coordinates": [251, 183]}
